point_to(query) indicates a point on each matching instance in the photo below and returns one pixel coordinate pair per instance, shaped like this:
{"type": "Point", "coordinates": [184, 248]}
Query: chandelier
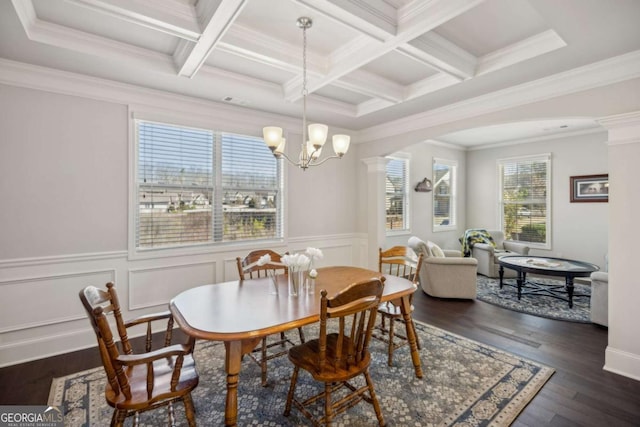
{"type": "Point", "coordinates": [315, 136]}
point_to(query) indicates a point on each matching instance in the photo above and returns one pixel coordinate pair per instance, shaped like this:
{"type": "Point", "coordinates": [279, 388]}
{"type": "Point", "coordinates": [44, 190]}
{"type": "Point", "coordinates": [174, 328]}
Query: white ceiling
{"type": "Point", "coordinates": [369, 62]}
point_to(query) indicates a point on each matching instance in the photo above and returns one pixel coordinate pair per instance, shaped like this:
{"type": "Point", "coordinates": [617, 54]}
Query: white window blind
{"type": "Point", "coordinates": [444, 193]}
{"type": "Point", "coordinates": [250, 187]}
{"type": "Point", "coordinates": [525, 198]}
{"type": "Point", "coordinates": [197, 186]}
{"type": "Point", "coordinates": [397, 194]}
{"type": "Point", "coordinates": [175, 185]}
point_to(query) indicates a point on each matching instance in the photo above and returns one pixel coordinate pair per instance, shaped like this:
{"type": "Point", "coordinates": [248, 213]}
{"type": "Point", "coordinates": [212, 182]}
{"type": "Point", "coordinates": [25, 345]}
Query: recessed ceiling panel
{"type": "Point", "coordinates": [399, 68]}
{"type": "Point", "coordinates": [110, 27]}
{"type": "Point", "coordinates": [277, 19]}
{"type": "Point", "coordinates": [230, 62]}
{"type": "Point", "coordinates": [493, 25]}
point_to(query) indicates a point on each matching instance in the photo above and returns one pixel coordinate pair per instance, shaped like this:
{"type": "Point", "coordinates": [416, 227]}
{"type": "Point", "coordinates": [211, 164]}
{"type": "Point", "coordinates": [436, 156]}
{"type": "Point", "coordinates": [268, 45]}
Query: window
{"type": "Point", "coordinates": [397, 194]}
{"type": "Point", "coordinates": [198, 186]}
{"type": "Point", "coordinates": [525, 204]}
{"type": "Point", "coordinates": [444, 194]}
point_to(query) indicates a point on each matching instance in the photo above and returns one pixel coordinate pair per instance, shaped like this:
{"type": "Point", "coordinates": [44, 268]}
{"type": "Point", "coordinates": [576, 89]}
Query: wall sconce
{"type": "Point", "coordinates": [424, 186]}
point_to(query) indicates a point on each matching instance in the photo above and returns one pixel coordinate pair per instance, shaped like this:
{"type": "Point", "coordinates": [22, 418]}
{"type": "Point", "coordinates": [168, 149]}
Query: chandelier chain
{"type": "Point", "coordinates": [313, 136]}
{"type": "Point", "coordinates": [304, 95]}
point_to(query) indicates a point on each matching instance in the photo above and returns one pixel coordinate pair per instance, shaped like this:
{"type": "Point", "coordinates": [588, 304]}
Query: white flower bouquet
{"type": "Point", "coordinates": [297, 264]}
{"type": "Point", "coordinates": [271, 273]}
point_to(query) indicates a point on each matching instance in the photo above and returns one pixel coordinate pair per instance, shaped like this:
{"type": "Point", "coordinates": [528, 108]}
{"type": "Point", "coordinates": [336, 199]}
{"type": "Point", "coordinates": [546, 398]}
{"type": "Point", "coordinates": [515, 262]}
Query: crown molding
{"type": "Point", "coordinates": [435, 142]}
{"type": "Point", "coordinates": [620, 120]}
{"type": "Point", "coordinates": [67, 83]}
{"type": "Point", "coordinates": [557, 135]}
{"type": "Point", "coordinates": [598, 74]}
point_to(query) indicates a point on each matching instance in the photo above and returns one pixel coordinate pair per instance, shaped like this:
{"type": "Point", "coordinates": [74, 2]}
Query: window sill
{"type": "Point", "coordinates": [203, 249]}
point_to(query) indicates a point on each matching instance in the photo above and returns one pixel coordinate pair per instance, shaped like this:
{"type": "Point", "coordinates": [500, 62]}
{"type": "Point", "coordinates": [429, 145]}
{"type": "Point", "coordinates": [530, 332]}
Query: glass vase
{"type": "Point", "coordinates": [273, 283]}
{"type": "Point", "coordinates": [296, 281]}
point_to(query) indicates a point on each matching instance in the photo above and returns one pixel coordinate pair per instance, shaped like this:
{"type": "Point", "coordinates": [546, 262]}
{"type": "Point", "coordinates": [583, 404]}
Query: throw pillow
{"type": "Point", "coordinates": [435, 250]}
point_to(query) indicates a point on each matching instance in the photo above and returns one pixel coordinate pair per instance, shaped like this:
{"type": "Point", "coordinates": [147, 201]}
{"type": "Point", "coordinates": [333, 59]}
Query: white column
{"type": "Point", "coordinates": [623, 351]}
{"type": "Point", "coordinates": [376, 214]}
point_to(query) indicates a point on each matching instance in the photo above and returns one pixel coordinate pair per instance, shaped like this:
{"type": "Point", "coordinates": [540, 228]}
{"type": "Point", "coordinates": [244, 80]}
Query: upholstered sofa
{"type": "Point", "coordinates": [445, 273]}
{"type": "Point", "coordinates": [600, 298]}
{"type": "Point", "coordinates": [487, 254]}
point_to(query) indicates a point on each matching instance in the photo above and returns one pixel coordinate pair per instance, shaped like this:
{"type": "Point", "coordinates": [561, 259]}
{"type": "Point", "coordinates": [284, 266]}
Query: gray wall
{"type": "Point", "coordinates": [579, 230]}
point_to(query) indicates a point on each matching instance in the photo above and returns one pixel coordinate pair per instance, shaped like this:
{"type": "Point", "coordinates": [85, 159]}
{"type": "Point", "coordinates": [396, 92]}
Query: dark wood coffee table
{"type": "Point", "coordinates": [566, 268]}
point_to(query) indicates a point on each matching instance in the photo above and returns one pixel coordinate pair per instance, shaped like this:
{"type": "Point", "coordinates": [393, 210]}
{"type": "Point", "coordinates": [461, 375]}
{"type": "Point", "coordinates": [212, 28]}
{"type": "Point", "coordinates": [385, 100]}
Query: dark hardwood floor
{"type": "Point", "coordinates": [580, 393]}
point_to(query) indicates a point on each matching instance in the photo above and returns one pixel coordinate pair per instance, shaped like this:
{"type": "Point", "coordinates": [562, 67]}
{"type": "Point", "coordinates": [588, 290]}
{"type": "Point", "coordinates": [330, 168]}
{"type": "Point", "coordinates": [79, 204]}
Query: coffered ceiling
{"type": "Point", "coordinates": [369, 62]}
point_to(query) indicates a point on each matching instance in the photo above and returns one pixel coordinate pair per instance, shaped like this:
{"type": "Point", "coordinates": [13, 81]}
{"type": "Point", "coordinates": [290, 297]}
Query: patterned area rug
{"type": "Point", "coordinates": [465, 383]}
{"type": "Point", "coordinates": [538, 305]}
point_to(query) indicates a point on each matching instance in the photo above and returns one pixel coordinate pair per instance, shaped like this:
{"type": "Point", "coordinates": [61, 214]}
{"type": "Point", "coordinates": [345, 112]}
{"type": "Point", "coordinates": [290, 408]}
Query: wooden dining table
{"type": "Point", "coordinates": [240, 313]}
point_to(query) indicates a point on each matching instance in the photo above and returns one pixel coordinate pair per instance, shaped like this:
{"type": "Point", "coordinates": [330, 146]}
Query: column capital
{"type": "Point", "coordinates": [376, 164]}
{"type": "Point", "coordinates": [623, 128]}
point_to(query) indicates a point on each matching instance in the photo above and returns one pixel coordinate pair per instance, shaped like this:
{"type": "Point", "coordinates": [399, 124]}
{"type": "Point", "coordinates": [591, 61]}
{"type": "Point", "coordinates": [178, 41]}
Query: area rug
{"type": "Point", "coordinates": [465, 383]}
{"type": "Point", "coordinates": [537, 305]}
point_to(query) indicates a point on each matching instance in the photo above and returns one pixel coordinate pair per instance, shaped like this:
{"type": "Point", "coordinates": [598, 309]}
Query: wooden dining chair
{"type": "Point", "coordinates": [248, 268]}
{"type": "Point", "coordinates": [138, 382]}
{"type": "Point", "coordinates": [399, 261]}
{"type": "Point", "coordinates": [337, 357]}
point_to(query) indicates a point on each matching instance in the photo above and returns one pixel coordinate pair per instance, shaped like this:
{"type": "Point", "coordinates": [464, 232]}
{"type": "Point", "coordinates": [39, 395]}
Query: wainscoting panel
{"type": "Point", "coordinates": [45, 300]}
{"type": "Point", "coordinates": [41, 315]}
{"type": "Point", "coordinates": [155, 286]}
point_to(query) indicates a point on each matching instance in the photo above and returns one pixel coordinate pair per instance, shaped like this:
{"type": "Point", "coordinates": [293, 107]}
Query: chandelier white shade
{"type": "Point", "coordinates": [315, 135]}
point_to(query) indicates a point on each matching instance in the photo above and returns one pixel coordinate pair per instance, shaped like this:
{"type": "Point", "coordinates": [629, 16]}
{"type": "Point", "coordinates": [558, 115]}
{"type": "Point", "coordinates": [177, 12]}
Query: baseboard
{"type": "Point", "coordinates": [40, 348]}
{"type": "Point", "coordinates": [622, 363]}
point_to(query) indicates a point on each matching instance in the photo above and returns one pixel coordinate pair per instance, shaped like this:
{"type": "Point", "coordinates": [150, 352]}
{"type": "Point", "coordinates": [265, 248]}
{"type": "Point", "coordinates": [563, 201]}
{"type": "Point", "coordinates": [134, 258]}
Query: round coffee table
{"type": "Point", "coordinates": [566, 268]}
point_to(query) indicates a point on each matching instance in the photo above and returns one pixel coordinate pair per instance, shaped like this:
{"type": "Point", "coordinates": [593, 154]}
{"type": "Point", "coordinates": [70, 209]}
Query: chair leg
{"type": "Point", "coordinates": [292, 388]}
{"type": "Point", "coordinates": [263, 362]}
{"type": "Point", "coordinates": [328, 410]}
{"type": "Point", "coordinates": [189, 410]}
{"type": "Point", "coordinates": [172, 415]}
{"type": "Point", "coordinates": [283, 339]}
{"type": "Point", "coordinates": [118, 417]}
{"type": "Point", "coordinates": [391, 335]}
{"type": "Point", "coordinates": [415, 334]}
{"type": "Point", "coordinates": [301, 333]}
{"type": "Point", "coordinates": [374, 399]}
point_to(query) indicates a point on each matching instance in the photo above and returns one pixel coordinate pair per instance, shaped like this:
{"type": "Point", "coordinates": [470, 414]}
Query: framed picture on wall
{"type": "Point", "coordinates": [589, 188]}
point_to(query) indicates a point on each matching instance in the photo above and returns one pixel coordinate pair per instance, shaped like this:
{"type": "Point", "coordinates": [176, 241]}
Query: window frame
{"type": "Point", "coordinates": [406, 228]}
{"type": "Point", "coordinates": [453, 195]}
{"type": "Point", "coordinates": [500, 164]}
{"type": "Point", "coordinates": [212, 246]}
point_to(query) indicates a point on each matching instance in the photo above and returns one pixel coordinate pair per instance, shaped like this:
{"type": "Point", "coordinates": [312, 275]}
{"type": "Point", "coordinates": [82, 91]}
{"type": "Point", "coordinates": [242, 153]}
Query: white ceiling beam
{"type": "Point", "coordinates": [441, 54]}
{"type": "Point", "coordinates": [531, 47]}
{"type": "Point", "coordinates": [258, 47]}
{"type": "Point", "coordinates": [215, 16]}
{"type": "Point", "coordinates": [414, 19]}
{"type": "Point", "coordinates": [375, 18]}
{"type": "Point", "coordinates": [247, 43]}
{"type": "Point", "coordinates": [168, 16]}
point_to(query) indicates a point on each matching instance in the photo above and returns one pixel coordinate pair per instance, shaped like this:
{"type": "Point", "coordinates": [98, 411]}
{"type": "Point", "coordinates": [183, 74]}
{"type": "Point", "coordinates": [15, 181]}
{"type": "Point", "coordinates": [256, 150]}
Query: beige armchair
{"type": "Point", "coordinates": [487, 255]}
{"type": "Point", "coordinates": [445, 273]}
{"type": "Point", "coordinates": [600, 298]}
